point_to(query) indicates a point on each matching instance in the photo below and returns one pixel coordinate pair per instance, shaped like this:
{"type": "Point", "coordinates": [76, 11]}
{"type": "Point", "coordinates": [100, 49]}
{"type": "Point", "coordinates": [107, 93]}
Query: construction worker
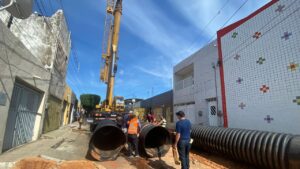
{"type": "Point", "coordinates": [134, 127]}
{"type": "Point", "coordinates": [125, 121]}
{"type": "Point", "coordinates": [182, 139]}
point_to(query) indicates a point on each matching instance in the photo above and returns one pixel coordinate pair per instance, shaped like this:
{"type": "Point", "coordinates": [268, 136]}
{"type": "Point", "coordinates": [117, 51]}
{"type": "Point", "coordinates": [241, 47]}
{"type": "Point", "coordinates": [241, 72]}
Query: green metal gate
{"type": "Point", "coordinates": [53, 115]}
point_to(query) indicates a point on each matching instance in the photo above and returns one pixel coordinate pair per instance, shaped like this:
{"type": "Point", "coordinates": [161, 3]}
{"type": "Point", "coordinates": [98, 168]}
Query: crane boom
{"type": "Point", "coordinates": [106, 42]}
{"type": "Point", "coordinates": [110, 56]}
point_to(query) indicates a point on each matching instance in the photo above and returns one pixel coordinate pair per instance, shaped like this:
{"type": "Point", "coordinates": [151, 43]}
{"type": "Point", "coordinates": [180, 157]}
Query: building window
{"type": "Point", "coordinates": [184, 83]}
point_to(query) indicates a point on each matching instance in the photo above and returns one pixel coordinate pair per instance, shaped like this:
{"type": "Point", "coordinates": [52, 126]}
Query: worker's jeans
{"type": "Point", "coordinates": [184, 147]}
{"type": "Point", "coordinates": [133, 144]}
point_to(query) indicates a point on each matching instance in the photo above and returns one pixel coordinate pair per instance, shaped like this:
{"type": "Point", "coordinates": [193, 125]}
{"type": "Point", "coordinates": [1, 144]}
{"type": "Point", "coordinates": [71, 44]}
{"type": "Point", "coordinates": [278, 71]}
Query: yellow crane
{"type": "Point", "coordinates": [110, 55]}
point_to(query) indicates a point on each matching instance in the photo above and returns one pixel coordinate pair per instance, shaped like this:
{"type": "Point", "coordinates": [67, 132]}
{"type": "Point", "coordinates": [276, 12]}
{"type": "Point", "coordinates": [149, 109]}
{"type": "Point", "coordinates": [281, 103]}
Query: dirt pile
{"type": "Point", "coordinates": [41, 163]}
{"type": "Point", "coordinates": [35, 163]}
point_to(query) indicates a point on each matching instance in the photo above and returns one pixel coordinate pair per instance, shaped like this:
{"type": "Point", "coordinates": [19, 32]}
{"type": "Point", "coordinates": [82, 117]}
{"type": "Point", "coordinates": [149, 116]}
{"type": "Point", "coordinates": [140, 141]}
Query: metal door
{"type": "Point", "coordinates": [212, 113]}
{"type": "Point", "coordinates": [21, 117]}
{"type": "Point", "coordinates": [52, 114]}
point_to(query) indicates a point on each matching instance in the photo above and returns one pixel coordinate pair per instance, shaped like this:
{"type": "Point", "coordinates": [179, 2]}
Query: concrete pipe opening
{"type": "Point", "coordinates": [154, 141]}
{"type": "Point", "coordinates": [107, 141]}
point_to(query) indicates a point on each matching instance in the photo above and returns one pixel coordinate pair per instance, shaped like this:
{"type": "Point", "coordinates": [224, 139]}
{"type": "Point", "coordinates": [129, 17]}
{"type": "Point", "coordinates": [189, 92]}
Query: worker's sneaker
{"type": "Point", "coordinates": [131, 156]}
{"type": "Point", "coordinates": [137, 156]}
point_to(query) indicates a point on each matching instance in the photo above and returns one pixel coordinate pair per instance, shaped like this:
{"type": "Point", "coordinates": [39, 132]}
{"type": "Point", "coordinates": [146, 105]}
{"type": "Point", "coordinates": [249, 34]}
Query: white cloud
{"type": "Point", "coordinates": [145, 20]}
{"type": "Point", "coordinates": [153, 72]}
{"type": "Point", "coordinates": [174, 40]}
{"type": "Point", "coordinates": [201, 12]}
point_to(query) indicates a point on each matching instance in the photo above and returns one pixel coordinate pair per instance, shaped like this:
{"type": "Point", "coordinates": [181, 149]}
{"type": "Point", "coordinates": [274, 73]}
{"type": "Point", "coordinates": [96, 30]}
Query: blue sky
{"type": "Point", "coordinates": [155, 35]}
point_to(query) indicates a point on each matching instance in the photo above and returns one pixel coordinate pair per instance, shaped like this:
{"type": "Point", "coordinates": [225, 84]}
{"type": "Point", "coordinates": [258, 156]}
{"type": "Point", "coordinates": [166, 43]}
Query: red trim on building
{"type": "Point", "coordinates": [222, 83]}
{"type": "Point", "coordinates": [222, 33]}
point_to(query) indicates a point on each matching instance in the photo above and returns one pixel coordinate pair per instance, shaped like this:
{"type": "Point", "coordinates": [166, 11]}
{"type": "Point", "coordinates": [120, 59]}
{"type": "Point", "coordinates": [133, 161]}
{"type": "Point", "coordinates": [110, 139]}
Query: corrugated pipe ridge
{"type": "Point", "coordinates": [260, 148]}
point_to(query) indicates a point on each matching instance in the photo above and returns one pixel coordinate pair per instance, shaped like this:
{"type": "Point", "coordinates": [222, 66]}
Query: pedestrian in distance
{"type": "Point", "coordinates": [182, 139]}
{"type": "Point", "coordinates": [148, 117]}
{"type": "Point", "coordinates": [80, 118]}
{"type": "Point", "coordinates": [134, 127]}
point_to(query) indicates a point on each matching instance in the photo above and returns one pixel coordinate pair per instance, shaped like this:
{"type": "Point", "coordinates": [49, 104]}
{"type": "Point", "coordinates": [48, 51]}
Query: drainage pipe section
{"type": "Point", "coordinates": [260, 148]}
{"type": "Point", "coordinates": [154, 141]}
{"type": "Point", "coordinates": [107, 141]}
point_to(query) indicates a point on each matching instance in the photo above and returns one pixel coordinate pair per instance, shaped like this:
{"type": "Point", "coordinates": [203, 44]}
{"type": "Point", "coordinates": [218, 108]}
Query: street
{"type": "Point", "coordinates": [68, 146]}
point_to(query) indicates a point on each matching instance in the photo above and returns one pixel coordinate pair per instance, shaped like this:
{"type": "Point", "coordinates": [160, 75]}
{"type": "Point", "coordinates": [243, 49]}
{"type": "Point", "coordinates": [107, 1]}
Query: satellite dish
{"type": "Point", "coordinates": [21, 9]}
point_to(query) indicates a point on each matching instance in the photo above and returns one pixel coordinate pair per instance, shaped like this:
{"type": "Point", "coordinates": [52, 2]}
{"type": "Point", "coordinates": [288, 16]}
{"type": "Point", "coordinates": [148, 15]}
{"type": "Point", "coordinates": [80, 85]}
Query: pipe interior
{"type": "Point", "coordinates": [157, 137]}
{"type": "Point", "coordinates": [108, 138]}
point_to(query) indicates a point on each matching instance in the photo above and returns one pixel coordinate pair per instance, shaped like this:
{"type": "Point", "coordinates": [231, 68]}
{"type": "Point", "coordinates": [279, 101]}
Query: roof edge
{"type": "Point", "coordinates": [229, 28]}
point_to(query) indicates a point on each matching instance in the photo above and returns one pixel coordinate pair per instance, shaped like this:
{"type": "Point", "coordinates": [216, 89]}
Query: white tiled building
{"type": "Point", "coordinates": [197, 87]}
{"type": "Point", "coordinates": [258, 75]}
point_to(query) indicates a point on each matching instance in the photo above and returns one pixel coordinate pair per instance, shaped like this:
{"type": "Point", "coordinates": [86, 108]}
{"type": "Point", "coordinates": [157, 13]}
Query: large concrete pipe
{"type": "Point", "coordinates": [107, 141]}
{"type": "Point", "coordinates": [262, 149]}
{"type": "Point", "coordinates": [154, 141]}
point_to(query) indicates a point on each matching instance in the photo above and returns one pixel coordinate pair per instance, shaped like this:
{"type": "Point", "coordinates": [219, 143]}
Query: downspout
{"type": "Point", "coordinates": [214, 66]}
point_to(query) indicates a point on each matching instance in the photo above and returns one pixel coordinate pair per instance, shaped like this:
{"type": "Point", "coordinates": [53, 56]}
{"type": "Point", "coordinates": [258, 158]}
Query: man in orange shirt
{"type": "Point", "coordinates": [134, 127]}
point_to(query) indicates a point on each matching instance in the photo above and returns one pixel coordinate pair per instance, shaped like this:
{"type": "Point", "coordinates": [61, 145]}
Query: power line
{"type": "Point", "coordinates": [235, 13]}
{"type": "Point", "coordinates": [50, 27]}
{"type": "Point", "coordinates": [51, 6]}
{"type": "Point", "coordinates": [229, 19]}
{"type": "Point", "coordinates": [246, 40]}
{"type": "Point", "coordinates": [210, 21]}
{"type": "Point", "coordinates": [30, 45]}
{"type": "Point", "coordinates": [43, 6]}
{"type": "Point", "coordinates": [73, 48]}
{"type": "Point", "coordinates": [245, 47]}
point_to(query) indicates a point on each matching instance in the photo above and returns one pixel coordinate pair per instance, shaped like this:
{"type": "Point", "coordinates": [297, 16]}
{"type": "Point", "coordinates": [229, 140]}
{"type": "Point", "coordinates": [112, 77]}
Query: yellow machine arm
{"type": "Point", "coordinates": [111, 41]}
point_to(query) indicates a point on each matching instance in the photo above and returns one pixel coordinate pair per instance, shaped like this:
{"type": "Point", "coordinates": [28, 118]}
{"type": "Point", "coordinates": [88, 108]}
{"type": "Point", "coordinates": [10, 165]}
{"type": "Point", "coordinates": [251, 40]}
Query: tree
{"type": "Point", "coordinates": [89, 101]}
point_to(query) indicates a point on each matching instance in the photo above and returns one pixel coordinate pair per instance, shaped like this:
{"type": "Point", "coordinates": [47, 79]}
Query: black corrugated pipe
{"type": "Point", "coordinates": [260, 148]}
{"type": "Point", "coordinates": [107, 141]}
{"type": "Point", "coordinates": [154, 141]}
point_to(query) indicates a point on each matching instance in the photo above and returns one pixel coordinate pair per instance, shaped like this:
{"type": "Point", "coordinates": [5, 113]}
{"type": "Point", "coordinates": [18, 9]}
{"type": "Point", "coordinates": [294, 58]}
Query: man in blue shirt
{"type": "Point", "coordinates": [183, 137]}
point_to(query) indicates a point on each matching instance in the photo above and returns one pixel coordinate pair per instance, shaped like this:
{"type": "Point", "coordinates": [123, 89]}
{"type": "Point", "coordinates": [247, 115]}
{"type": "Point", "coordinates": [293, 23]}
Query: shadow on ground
{"type": "Point", "coordinates": [141, 163]}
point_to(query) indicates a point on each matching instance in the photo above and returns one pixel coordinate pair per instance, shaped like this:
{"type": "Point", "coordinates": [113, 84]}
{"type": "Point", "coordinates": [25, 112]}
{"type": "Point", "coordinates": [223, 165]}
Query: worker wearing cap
{"type": "Point", "coordinates": [183, 138]}
{"type": "Point", "coordinates": [134, 127]}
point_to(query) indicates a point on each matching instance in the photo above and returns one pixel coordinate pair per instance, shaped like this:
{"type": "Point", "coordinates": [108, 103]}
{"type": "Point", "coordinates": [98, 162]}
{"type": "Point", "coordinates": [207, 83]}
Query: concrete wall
{"type": "Point", "coordinates": [194, 98]}
{"type": "Point", "coordinates": [261, 64]}
{"type": "Point", "coordinates": [70, 105]}
{"type": "Point", "coordinates": [17, 61]}
{"type": "Point", "coordinates": [48, 39]}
